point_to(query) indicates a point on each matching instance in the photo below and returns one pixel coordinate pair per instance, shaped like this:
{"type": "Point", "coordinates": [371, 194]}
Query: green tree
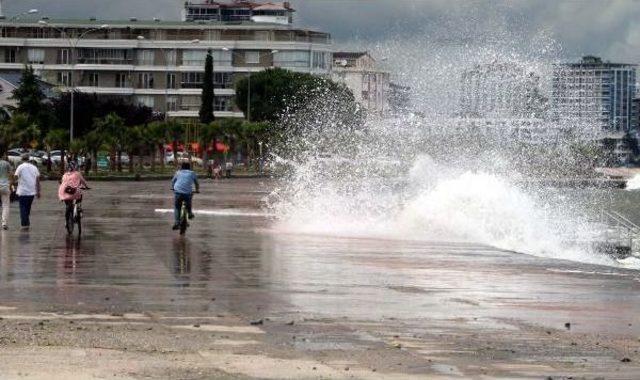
{"type": "Point", "coordinates": [132, 143]}
{"type": "Point", "coordinates": [30, 97]}
{"type": "Point", "coordinates": [157, 137]}
{"type": "Point", "coordinates": [206, 109]}
{"type": "Point", "coordinates": [113, 128]}
{"type": "Point", "coordinates": [27, 133]}
{"type": "Point", "coordinates": [278, 93]}
{"type": "Point", "coordinates": [254, 134]}
{"type": "Point", "coordinates": [175, 132]}
{"type": "Point", "coordinates": [57, 138]}
{"type": "Point", "coordinates": [94, 141]}
{"type": "Point", "coordinates": [9, 136]}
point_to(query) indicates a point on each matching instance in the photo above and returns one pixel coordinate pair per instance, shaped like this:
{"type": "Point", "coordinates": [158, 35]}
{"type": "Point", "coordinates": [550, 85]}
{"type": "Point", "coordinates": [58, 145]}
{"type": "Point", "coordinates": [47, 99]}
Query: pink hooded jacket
{"type": "Point", "coordinates": [73, 179]}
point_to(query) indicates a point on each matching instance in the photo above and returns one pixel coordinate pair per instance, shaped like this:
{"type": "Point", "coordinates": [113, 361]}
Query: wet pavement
{"type": "Point", "coordinates": [234, 299]}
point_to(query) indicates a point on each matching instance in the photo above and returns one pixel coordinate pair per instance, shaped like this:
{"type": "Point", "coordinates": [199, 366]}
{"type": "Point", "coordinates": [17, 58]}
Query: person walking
{"type": "Point", "coordinates": [5, 191]}
{"type": "Point", "coordinates": [28, 188]}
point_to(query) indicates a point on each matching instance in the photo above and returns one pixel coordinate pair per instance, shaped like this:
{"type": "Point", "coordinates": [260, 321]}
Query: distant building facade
{"type": "Point", "coordinates": [238, 11]}
{"type": "Point", "coordinates": [501, 90]}
{"type": "Point", "coordinates": [368, 83]}
{"type": "Point", "coordinates": [399, 98]}
{"type": "Point", "coordinates": [593, 92]}
{"type": "Point", "coordinates": [157, 63]}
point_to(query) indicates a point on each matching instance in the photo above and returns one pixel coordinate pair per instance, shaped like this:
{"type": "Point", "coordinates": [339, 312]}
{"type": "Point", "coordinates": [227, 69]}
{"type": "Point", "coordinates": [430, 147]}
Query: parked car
{"type": "Point", "coordinates": [182, 157]}
{"type": "Point", "coordinates": [124, 158]}
{"type": "Point", "coordinates": [14, 157]}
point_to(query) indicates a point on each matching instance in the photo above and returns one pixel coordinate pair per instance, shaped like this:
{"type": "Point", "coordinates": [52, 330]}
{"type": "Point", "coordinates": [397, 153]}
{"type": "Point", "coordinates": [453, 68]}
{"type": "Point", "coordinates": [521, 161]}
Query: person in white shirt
{"type": "Point", "coordinates": [28, 188]}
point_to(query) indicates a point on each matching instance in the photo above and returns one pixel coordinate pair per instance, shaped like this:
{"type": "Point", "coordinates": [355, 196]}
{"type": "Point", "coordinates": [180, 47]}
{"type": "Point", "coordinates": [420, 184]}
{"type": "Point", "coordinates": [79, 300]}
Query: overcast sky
{"type": "Point", "coordinates": [610, 29]}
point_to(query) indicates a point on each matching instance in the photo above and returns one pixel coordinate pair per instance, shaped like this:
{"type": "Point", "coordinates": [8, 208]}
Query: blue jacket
{"type": "Point", "coordinates": [183, 181]}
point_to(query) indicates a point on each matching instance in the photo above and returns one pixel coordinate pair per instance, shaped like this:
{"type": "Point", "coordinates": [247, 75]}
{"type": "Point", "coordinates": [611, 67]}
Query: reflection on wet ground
{"type": "Point", "coordinates": [129, 260]}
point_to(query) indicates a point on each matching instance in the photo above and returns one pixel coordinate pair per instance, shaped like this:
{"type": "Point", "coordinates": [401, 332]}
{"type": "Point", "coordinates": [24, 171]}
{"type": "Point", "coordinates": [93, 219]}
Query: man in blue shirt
{"type": "Point", "coordinates": [182, 186]}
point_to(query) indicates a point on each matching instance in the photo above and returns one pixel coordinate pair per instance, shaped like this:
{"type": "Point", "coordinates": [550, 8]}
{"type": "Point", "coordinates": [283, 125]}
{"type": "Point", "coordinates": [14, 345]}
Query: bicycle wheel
{"type": "Point", "coordinates": [79, 221]}
{"type": "Point", "coordinates": [69, 222]}
{"type": "Point", "coordinates": [183, 219]}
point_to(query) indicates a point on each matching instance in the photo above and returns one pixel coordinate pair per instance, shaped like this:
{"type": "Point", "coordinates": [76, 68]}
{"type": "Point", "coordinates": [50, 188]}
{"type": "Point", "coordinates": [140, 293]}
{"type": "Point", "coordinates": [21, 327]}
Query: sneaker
{"type": "Point", "coordinates": [5, 227]}
{"type": "Point", "coordinates": [175, 227]}
{"type": "Point", "coordinates": [191, 216]}
{"type": "Point", "coordinates": [24, 228]}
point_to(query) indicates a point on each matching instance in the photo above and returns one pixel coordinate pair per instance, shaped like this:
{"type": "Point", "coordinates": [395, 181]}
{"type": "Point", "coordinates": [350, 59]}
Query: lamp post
{"type": "Point", "coordinates": [249, 81]}
{"type": "Point", "coordinates": [73, 44]}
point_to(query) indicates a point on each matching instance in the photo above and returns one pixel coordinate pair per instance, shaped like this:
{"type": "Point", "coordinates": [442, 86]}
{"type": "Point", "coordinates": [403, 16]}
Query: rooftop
{"type": "Point", "coordinates": [242, 4]}
{"type": "Point", "coordinates": [148, 24]}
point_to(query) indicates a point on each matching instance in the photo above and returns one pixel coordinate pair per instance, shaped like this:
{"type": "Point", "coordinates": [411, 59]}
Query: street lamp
{"type": "Point", "coordinates": [73, 44]}
{"type": "Point", "coordinates": [249, 81]}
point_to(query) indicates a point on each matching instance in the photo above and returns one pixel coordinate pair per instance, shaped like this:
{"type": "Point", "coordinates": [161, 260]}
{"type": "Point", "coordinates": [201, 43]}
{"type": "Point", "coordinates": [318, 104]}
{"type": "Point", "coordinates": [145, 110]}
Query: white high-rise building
{"type": "Point", "coordinates": [597, 93]}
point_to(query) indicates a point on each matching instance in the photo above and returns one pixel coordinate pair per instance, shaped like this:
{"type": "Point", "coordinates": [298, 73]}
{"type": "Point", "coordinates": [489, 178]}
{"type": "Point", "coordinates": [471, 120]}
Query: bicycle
{"type": "Point", "coordinates": [75, 216]}
{"type": "Point", "coordinates": [184, 216]}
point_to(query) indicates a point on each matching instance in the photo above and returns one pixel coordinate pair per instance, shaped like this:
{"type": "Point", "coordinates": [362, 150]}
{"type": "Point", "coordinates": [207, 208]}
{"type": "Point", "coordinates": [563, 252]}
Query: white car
{"type": "Point", "coordinates": [14, 157]}
{"type": "Point", "coordinates": [182, 157]}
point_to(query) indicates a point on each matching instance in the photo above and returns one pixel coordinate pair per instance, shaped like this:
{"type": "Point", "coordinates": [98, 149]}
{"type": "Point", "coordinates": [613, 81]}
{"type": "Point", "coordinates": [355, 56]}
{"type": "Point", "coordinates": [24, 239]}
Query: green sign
{"type": "Point", "coordinates": [103, 161]}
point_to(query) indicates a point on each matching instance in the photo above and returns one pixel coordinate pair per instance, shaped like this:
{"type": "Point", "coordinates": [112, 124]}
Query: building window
{"type": "Point", "coordinates": [146, 57]}
{"type": "Point", "coordinates": [104, 56]}
{"type": "Point", "coordinates": [94, 80]}
{"type": "Point", "coordinates": [320, 60]}
{"type": "Point", "coordinates": [172, 104]}
{"type": "Point", "coordinates": [190, 103]}
{"type": "Point", "coordinates": [222, 80]}
{"type": "Point", "coordinates": [291, 58]}
{"type": "Point", "coordinates": [192, 80]}
{"type": "Point", "coordinates": [222, 104]}
{"type": "Point", "coordinates": [252, 57]}
{"type": "Point", "coordinates": [121, 80]}
{"type": "Point", "coordinates": [194, 57]}
{"type": "Point", "coordinates": [171, 57]}
{"type": "Point", "coordinates": [171, 80]}
{"type": "Point", "coordinates": [63, 57]}
{"type": "Point", "coordinates": [35, 56]}
{"type": "Point", "coordinates": [145, 80]}
{"type": "Point", "coordinates": [147, 101]}
{"type": "Point", "coordinates": [197, 57]}
{"type": "Point", "coordinates": [64, 78]}
{"type": "Point", "coordinates": [10, 55]}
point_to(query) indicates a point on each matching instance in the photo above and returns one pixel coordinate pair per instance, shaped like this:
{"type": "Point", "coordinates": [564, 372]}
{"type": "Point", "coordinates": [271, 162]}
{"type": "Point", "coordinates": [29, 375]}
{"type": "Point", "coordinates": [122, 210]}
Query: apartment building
{"type": "Point", "coordinates": [369, 84]}
{"type": "Point", "coordinates": [157, 63]}
{"type": "Point", "coordinates": [501, 90]}
{"type": "Point", "coordinates": [596, 93]}
{"type": "Point", "coordinates": [238, 11]}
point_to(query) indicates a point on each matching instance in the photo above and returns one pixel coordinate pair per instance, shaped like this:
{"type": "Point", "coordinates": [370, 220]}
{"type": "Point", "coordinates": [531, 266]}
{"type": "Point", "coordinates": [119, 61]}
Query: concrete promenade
{"type": "Point", "coordinates": [232, 299]}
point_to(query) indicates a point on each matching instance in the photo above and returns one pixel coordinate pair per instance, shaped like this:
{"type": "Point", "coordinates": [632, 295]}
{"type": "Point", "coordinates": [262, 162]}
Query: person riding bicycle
{"type": "Point", "coordinates": [182, 185]}
{"type": "Point", "coordinates": [71, 186]}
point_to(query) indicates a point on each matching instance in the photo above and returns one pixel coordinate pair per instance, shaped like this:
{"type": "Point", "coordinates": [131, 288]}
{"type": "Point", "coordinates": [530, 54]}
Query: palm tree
{"type": "Point", "coordinates": [93, 142]}
{"type": "Point", "coordinates": [175, 131]}
{"type": "Point", "coordinates": [131, 143]}
{"type": "Point", "coordinates": [57, 138]}
{"type": "Point", "coordinates": [113, 128]}
{"type": "Point", "coordinates": [155, 135]}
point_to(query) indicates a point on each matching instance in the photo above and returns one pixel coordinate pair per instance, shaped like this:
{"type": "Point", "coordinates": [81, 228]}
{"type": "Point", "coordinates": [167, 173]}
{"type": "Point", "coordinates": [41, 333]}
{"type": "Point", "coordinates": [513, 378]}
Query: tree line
{"type": "Point", "coordinates": [112, 125]}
